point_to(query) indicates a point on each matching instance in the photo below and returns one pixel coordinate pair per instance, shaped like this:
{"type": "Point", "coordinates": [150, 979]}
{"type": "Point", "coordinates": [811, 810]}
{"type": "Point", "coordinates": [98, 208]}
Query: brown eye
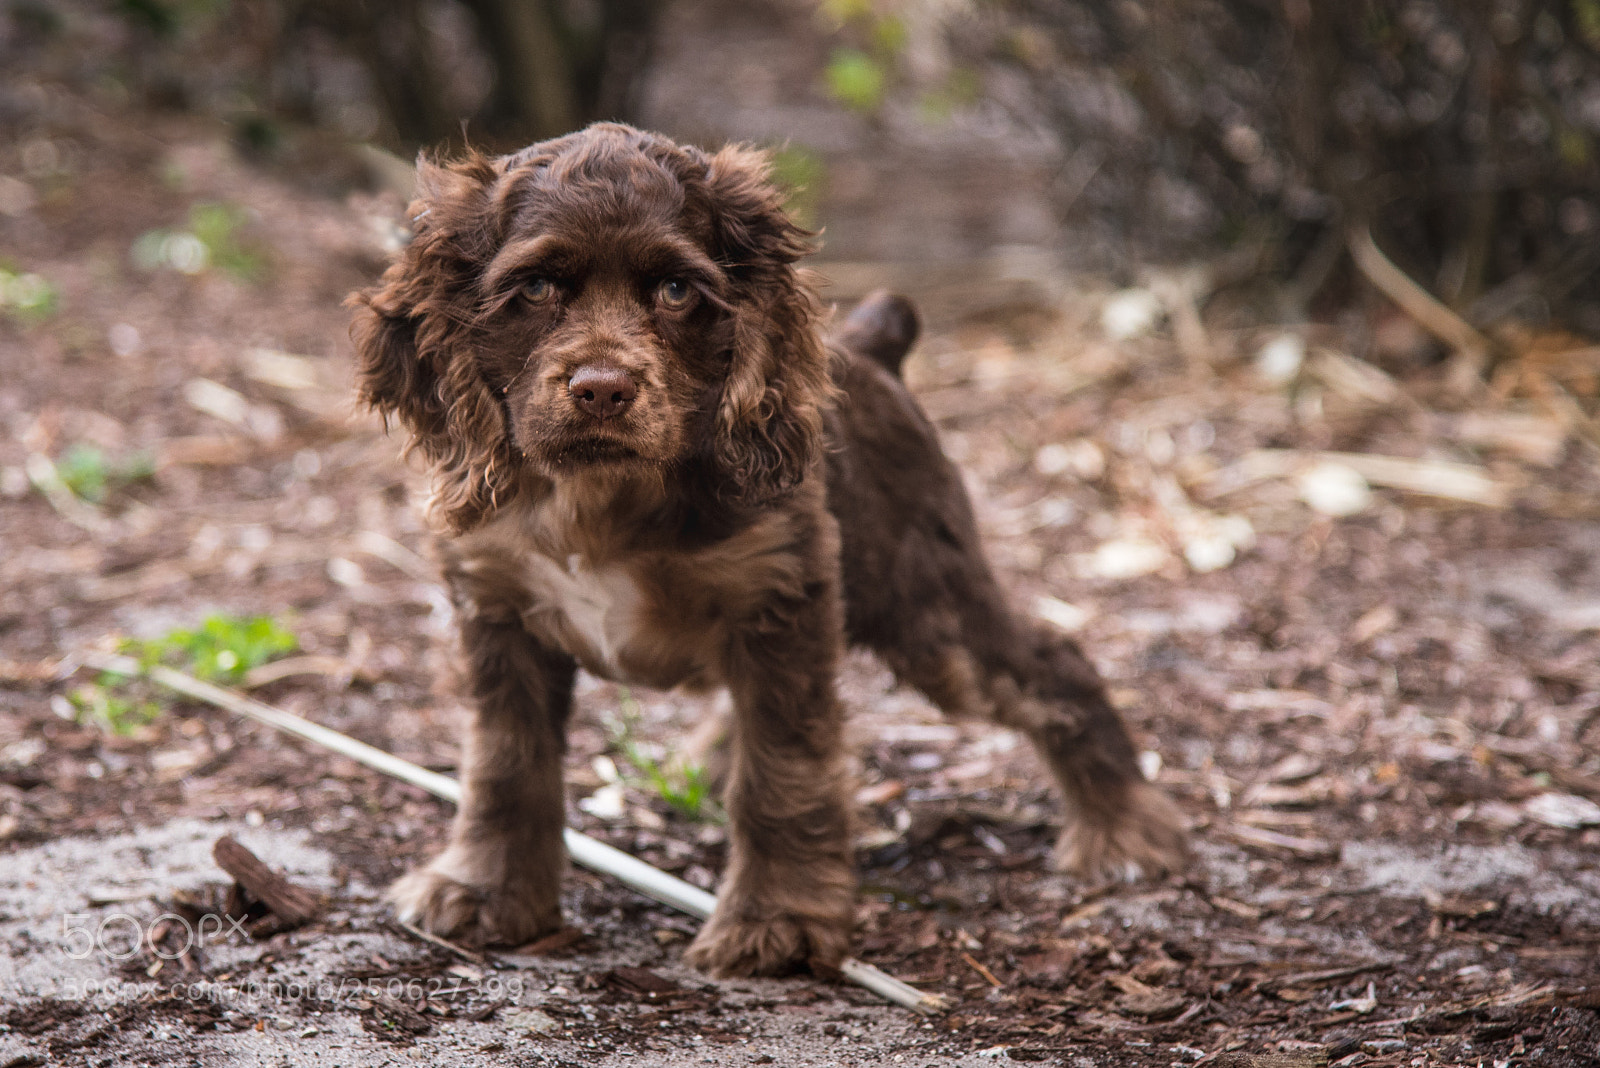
{"type": "Point", "coordinates": [674, 294]}
{"type": "Point", "coordinates": [538, 291]}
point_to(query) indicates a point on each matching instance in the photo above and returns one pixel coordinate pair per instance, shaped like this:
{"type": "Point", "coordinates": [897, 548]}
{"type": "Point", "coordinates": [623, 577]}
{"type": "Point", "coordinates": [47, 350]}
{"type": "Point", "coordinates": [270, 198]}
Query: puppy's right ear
{"type": "Point", "coordinates": [391, 375]}
{"type": "Point", "coordinates": [412, 334]}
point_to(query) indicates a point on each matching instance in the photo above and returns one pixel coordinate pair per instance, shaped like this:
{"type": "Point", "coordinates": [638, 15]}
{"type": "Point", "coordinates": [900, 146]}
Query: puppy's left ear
{"type": "Point", "coordinates": [768, 428]}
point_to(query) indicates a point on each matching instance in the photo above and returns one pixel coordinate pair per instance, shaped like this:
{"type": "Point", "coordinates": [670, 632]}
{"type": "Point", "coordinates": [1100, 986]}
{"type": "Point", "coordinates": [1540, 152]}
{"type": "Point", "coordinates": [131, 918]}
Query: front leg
{"type": "Point", "coordinates": [499, 879]}
{"type": "Point", "coordinates": [787, 895]}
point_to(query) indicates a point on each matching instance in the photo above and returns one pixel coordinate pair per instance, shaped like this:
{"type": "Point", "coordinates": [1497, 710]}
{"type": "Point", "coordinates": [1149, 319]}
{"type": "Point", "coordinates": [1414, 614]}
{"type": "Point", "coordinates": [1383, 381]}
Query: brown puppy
{"type": "Point", "coordinates": [649, 465]}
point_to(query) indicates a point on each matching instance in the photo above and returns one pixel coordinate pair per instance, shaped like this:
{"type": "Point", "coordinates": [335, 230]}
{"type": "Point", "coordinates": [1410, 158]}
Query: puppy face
{"type": "Point", "coordinates": [606, 328]}
{"type": "Point", "coordinates": [597, 306]}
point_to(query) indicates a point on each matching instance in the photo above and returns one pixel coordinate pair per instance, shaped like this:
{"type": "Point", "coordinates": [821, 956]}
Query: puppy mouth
{"type": "Point", "coordinates": [590, 452]}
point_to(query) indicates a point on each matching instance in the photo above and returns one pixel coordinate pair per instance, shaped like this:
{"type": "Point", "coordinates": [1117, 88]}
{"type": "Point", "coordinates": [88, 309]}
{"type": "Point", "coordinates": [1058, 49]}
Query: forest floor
{"type": "Point", "coordinates": [1379, 713]}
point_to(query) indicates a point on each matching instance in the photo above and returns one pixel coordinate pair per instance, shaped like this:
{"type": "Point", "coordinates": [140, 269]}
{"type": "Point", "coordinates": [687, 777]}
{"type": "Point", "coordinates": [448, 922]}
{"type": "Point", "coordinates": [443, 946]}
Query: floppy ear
{"type": "Point", "coordinates": [768, 427]}
{"type": "Point", "coordinates": [412, 335]}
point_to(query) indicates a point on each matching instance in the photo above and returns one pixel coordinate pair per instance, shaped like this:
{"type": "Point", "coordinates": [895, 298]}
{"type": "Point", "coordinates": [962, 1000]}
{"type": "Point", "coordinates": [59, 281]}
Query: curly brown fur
{"type": "Point", "coordinates": [647, 463]}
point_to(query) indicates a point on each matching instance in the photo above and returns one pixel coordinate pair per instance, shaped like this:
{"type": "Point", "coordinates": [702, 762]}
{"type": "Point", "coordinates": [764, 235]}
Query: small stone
{"type": "Point", "coordinates": [606, 803]}
{"type": "Point", "coordinates": [1066, 617]}
{"type": "Point", "coordinates": [1380, 1046]}
{"type": "Point", "coordinates": [1335, 489]}
{"type": "Point", "coordinates": [533, 1021]}
{"type": "Point", "coordinates": [1130, 313]}
{"type": "Point", "coordinates": [1280, 359]}
{"type": "Point", "coordinates": [1567, 811]}
{"type": "Point", "coordinates": [1123, 558]}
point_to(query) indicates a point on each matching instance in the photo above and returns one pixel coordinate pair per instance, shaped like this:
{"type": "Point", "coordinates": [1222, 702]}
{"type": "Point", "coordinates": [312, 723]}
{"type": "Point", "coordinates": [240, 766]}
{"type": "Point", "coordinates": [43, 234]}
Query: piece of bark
{"type": "Point", "coordinates": [639, 982]}
{"type": "Point", "coordinates": [294, 905]}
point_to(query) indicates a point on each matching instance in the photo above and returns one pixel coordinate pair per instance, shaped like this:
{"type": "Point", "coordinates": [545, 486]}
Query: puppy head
{"type": "Point", "coordinates": [596, 307]}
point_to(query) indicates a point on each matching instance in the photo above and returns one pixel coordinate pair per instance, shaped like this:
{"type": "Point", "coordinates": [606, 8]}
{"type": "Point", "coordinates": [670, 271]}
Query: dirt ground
{"type": "Point", "coordinates": [1381, 724]}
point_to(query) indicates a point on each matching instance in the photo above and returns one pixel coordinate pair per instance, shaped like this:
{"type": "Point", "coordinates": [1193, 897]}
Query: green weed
{"type": "Point", "coordinates": [218, 227]}
{"type": "Point", "coordinates": [108, 704]}
{"type": "Point", "coordinates": [221, 648]}
{"type": "Point", "coordinates": [855, 79]}
{"type": "Point", "coordinates": [29, 298]}
{"type": "Point", "coordinates": [859, 72]}
{"type": "Point", "coordinates": [214, 239]}
{"type": "Point", "coordinates": [90, 476]}
{"type": "Point", "coordinates": [686, 789]}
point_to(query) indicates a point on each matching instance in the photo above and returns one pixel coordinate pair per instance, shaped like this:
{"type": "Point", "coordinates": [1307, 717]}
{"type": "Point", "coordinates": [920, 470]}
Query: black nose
{"type": "Point", "coordinates": [602, 391]}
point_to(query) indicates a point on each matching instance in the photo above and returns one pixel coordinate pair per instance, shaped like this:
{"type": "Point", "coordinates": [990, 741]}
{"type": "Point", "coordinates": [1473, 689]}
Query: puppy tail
{"type": "Point", "coordinates": [883, 327]}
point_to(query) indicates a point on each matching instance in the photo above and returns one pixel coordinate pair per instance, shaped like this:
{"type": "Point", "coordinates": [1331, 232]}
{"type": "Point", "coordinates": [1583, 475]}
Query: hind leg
{"type": "Point", "coordinates": [1116, 825]}
{"type": "Point", "coordinates": [920, 593]}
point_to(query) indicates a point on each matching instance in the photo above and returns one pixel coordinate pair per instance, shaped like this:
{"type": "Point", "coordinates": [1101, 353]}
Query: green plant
{"type": "Point", "coordinates": [855, 79]}
{"type": "Point", "coordinates": [686, 788]}
{"type": "Point", "coordinates": [213, 239]}
{"type": "Point", "coordinates": [222, 647]}
{"type": "Point", "coordinates": [859, 71]}
{"type": "Point", "coordinates": [108, 703]}
{"type": "Point", "coordinates": [85, 471]}
{"type": "Point", "coordinates": [27, 297]}
{"type": "Point", "coordinates": [218, 227]}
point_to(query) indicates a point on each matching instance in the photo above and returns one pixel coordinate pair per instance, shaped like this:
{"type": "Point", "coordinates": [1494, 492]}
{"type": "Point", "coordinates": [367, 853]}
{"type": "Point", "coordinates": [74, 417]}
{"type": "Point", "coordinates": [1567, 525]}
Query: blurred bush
{"type": "Point", "coordinates": [407, 73]}
{"type": "Point", "coordinates": [1464, 132]}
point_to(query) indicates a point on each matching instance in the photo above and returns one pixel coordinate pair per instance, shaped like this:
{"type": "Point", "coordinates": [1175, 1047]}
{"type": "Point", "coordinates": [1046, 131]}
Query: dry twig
{"type": "Point", "coordinates": [443, 943]}
{"type": "Point", "coordinates": [1472, 348]}
{"type": "Point", "coordinates": [592, 854]}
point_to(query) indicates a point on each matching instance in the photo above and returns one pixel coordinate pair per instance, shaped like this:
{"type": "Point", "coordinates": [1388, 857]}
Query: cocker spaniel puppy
{"type": "Point", "coordinates": [648, 463]}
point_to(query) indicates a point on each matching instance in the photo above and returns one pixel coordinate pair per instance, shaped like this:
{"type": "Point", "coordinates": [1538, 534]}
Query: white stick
{"type": "Point", "coordinates": [592, 854]}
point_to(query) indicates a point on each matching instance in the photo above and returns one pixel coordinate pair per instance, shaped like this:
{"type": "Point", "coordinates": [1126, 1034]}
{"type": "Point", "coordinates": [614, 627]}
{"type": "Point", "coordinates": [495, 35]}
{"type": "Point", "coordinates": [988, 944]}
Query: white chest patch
{"type": "Point", "coordinates": [593, 614]}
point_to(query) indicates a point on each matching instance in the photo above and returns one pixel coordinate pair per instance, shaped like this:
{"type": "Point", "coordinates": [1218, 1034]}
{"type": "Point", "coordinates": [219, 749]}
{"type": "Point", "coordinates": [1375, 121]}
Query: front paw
{"type": "Point", "coordinates": [438, 898]}
{"type": "Point", "coordinates": [1142, 837]}
{"type": "Point", "coordinates": [729, 946]}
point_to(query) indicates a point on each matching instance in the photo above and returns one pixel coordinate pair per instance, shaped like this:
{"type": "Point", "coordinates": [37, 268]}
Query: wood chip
{"type": "Point", "coordinates": [1273, 842]}
{"type": "Point", "coordinates": [1326, 975]}
{"type": "Point", "coordinates": [29, 671]}
{"type": "Point", "coordinates": [294, 905]}
{"type": "Point", "coordinates": [552, 943]}
{"type": "Point", "coordinates": [1140, 999]}
{"type": "Point", "coordinates": [978, 967]}
{"type": "Point", "coordinates": [1467, 483]}
{"type": "Point", "coordinates": [1312, 1058]}
{"type": "Point", "coordinates": [1458, 906]}
{"type": "Point", "coordinates": [1373, 623]}
{"type": "Point", "coordinates": [639, 982]}
{"type": "Point", "coordinates": [879, 793]}
{"type": "Point", "coordinates": [1237, 908]}
{"type": "Point", "coordinates": [1356, 380]}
